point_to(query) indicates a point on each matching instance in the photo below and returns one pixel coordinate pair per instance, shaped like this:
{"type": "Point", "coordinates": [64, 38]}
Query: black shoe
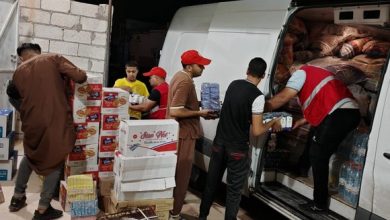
{"type": "Point", "coordinates": [311, 207]}
{"type": "Point", "coordinates": [50, 213]}
{"type": "Point", "coordinates": [17, 204]}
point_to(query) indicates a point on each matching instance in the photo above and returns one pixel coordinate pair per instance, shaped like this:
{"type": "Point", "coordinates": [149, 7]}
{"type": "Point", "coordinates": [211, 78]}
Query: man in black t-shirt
{"type": "Point", "coordinates": [243, 105]}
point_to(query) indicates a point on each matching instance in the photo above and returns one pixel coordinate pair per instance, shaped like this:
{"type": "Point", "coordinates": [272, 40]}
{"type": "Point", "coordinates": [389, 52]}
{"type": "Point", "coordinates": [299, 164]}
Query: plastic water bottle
{"type": "Point", "coordinates": [343, 178]}
{"type": "Point", "coordinates": [348, 182]}
{"type": "Point", "coordinates": [359, 148]}
{"type": "Point", "coordinates": [356, 172]}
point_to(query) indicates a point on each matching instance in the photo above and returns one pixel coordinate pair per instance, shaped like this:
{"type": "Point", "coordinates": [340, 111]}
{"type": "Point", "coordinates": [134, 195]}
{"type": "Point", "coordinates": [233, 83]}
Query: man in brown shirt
{"type": "Point", "coordinates": [183, 105]}
{"type": "Point", "coordinates": [47, 122]}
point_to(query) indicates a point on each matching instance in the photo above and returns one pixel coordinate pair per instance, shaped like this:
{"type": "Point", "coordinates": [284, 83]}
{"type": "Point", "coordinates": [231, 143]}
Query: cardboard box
{"type": "Point", "coordinates": [65, 204]}
{"type": "Point", "coordinates": [142, 168]}
{"type": "Point", "coordinates": [91, 90]}
{"type": "Point", "coordinates": [107, 145]}
{"type": "Point", "coordinates": [82, 169]}
{"type": "Point", "coordinates": [110, 123]}
{"type": "Point", "coordinates": [7, 146]}
{"type": "Point", "coordinates": [5, 122]}
{"type": "Point", "coordinates": [106, 184]}
{"type": "Point", "coordinates": [162, 205]}
{"type": "Point", "coordinates": [93, 114]}
{"type": "Point", "coordinates": [115, 100]}
{"type": "Point", "coordinates": [145, 189]}
{"type": "Point", "coordinates": [81, 133]}
{"type": "Point", "coordinates": [148, 137]}
{"type": "Point", "coordinates": [8, 167]}
{"type": "Point", "coordinates": [92, 133]}
{"type": "Point", "coordinates": [84, 155]}
{"type": "Point", "coordinates": [79, 109]}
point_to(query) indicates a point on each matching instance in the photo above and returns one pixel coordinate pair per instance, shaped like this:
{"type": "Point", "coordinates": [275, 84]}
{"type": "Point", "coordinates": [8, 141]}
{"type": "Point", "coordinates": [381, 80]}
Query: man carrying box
{"type": "Point", "coordinates": [47, 123]}
{"type": "Point", "coordinates": [158, 98]}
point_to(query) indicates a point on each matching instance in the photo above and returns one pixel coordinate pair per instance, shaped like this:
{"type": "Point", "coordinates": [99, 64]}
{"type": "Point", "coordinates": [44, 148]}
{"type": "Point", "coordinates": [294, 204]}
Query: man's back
{"type": "Point", "coordinates": [45, 113]}
{"type": "Point", "coordinates": [236, 114]}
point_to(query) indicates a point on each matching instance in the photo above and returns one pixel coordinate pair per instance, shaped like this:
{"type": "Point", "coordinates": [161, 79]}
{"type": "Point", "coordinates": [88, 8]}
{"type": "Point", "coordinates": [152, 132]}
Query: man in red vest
{"type": "Point", "coordinates": [329, 107]}
{"type": "Point", "coordinates": [156, 103]}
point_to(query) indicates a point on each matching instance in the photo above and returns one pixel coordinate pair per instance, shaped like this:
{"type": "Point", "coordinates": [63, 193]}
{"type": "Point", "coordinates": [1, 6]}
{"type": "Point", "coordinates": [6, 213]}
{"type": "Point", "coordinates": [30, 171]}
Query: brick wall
{"type": "Point", "coordinates": [73, 29]}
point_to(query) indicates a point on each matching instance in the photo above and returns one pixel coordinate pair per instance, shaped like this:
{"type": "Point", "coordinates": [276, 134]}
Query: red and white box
{"type": "Point", "coordinates": [110, 123]}
{"type": "Point", "coordinates": [81, 133]}
{"type": "Point", "coordinates": [139, 138]}
{"type": "Point", "coordinates": [106, 167]}
{"type": "Point", "coordinates": [107, 145]}
{"type": "Point", "coordinates": [92, 133]}
{"type": "Point", "coordinates": [93, 114]}
{"type": "Point", "coordinates": [79, 109]}
{"type": "Point", "coordinates": [83, 169]}
{"type": "Point", "coordinates": [83, 155]}
{"type": "Point", "coordinates": [91, 90]}
{"type": "Point", "coordinates": [115, 100]}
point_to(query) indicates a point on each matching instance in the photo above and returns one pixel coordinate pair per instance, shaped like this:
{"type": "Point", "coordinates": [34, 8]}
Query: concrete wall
{"type": "Point", "coordinates": [73, 29]}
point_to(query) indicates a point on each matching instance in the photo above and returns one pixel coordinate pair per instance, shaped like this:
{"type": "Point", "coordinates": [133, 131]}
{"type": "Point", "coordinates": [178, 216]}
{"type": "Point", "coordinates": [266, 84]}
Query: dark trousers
{"type": "Point", "coordinates": [237, 164]}
{"type": "Point", "coordinates": [327, 137]}
{"type": "Point", "coordinates": [49, 184]}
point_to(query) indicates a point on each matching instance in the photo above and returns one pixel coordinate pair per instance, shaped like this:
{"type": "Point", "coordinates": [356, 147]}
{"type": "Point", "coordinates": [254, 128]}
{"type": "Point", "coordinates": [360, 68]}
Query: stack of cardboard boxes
{"type": "Point", "coordinates": [145, 166]}
{"type": "Point", "coordinates": [8, 156]}
{"type": "Point", "coordinates": [86, 103]}
{"type": "Point", "coordinates": [115, 107]}
{"type": "Point", "coordinates": [78, 195]}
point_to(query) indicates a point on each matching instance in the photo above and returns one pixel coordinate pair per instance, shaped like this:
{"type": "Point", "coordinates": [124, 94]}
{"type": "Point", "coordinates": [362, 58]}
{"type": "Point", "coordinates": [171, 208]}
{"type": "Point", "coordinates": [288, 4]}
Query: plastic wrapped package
{"type": "Point", "coordinates": [210, 96]}
{"type": "Point", "coordinates": [353, 47]}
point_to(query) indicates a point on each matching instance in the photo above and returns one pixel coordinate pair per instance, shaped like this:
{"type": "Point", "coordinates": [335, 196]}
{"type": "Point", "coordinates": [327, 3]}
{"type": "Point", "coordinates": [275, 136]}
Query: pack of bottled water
{"type": "Point", "coordinates": [359, 148]}
{"type": "Point", "coordinates": [351, 171]}
{"type": "Point", "coordinates": [210, 96]}
{"type": "Point", "coordinates": [350, 181]}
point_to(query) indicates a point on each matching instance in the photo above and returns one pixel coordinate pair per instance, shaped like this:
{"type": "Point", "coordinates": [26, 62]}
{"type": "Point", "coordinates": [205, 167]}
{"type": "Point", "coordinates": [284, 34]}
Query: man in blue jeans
{"type": "Point", "coordinates": [243, 105]}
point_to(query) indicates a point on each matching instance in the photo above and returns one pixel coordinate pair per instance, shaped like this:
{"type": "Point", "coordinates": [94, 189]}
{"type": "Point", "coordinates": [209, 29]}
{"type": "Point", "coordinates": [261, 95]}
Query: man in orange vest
{"type": "Point", "coordinates": [158, 98]}
{"type": "Point", "coordinates": [329, 107]}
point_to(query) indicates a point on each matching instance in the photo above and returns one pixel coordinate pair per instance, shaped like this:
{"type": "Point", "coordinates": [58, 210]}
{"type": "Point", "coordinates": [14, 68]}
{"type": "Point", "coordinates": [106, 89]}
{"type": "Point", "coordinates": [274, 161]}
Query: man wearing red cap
{"type": "Point", "coordinates": [158, 98]}
{"type": "Point", "coordinates": [183, 105]}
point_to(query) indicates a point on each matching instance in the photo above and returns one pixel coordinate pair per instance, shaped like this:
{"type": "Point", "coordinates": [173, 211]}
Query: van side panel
{"type": "Point", "coordinates": [230, 34]}
{"type": "Point", "coordinates": [188, 30]}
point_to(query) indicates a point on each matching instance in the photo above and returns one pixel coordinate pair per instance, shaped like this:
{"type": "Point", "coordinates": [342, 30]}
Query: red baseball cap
{"type": "Point", "coordinates": [193, 57]}
{"type": "Point", "coordinates": [157, 71]}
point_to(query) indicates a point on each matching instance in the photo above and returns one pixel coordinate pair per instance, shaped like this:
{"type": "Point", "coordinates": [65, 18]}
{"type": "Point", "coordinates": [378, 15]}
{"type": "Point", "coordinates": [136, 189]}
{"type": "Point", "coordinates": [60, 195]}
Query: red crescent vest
{"type": "Point", "coordinates": [160, 111]}
{"type": "Point", "coordinates": [320, 93]}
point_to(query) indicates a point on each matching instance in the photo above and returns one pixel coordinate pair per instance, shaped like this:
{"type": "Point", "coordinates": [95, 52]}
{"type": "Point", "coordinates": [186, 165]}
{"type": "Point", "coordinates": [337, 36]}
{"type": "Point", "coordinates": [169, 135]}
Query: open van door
{"type": "Point", "coordinates": [8, 44]}
{"type": "Point", "coordinates": [375, 195]}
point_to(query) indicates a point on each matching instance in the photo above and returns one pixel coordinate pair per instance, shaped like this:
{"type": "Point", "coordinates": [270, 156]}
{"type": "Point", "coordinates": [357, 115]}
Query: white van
{"type": "Point", "coordinates": [232, 33]}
